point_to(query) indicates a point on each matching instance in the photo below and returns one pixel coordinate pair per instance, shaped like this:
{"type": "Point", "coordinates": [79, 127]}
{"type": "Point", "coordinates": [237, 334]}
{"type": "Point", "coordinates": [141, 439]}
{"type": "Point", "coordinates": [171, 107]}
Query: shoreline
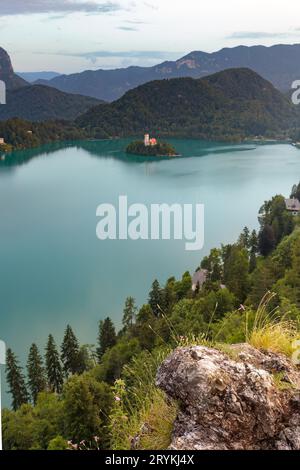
{"type": "Point", "coordinates": [245, 141]}
{"type": "Point", "coordinates": [154, 156]}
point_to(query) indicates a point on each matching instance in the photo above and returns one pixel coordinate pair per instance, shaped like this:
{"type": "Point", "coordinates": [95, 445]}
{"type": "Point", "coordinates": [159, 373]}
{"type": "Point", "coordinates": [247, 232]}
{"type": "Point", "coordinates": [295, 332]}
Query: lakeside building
{"type": "Point", "coordinates": [199, 278]}
{"type": "Point", "coordinates": [2, 141]}
{"type": "Point", "coordinates": [293, 205]}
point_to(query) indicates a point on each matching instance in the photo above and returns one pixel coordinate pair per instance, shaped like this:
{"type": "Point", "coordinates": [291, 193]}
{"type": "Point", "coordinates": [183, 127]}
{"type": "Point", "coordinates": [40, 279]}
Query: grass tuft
{"type": "Point", "coordinates": [157, 418]}
{"type": "Point", "coordinates": [142, 417]}
{"type": "Point", "coordinates": [281, 383]}
{"type": "Point", "coordinates": [271, 332]}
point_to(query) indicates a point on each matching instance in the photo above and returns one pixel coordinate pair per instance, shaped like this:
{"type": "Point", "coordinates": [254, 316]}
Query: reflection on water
{"type": "Point", "coordinates": [115, 149]}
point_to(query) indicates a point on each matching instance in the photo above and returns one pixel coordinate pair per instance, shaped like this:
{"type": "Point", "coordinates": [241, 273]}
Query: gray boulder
{"type": "Point", "coordinates": [243, 399]}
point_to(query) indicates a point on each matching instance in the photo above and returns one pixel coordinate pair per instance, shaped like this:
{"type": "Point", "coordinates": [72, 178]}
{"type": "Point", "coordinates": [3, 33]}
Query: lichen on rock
{"type": "Point", "coordinates": [232, 404]}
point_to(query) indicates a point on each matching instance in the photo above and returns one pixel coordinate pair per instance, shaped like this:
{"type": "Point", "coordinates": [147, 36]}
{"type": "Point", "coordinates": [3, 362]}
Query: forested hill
{"type": "Point", "coordinates": [19, 134]}
{"type": "Point", "coordinates": [235, 103]}
{"type": "Point", "coordinates": [42, 103]}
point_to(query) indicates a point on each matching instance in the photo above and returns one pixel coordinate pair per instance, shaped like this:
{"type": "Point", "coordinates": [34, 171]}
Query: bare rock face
{"type": "Point", "coordinates": [246, 399]}
{"type": "Point", "coordinates": [7, 74]}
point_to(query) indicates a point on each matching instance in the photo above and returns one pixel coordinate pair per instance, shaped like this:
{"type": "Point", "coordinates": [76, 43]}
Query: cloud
{"type": "Point", "coordinates": [21, 7]}
{"type": "Point", "coordinates": [255, 35]}
{"type": "Point", "coordinates": [119, 54]}
{"type": "Point", "coordinates": [136, 22]}
{"type": "Point", "coordinates": [152, 6]}
{"type": "Point", "coordinates": [124, 58]}
{"type": "Point", "coordinates": [127, 28]}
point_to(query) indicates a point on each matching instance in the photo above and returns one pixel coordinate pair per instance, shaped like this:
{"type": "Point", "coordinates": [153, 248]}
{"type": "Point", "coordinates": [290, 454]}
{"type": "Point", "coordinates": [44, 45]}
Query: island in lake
{"type": "Point", "coordinates": [150, 147]}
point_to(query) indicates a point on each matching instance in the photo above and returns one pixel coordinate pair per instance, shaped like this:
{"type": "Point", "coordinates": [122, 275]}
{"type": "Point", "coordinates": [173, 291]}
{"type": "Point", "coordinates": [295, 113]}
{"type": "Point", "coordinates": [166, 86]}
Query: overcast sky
{"type": "Point", "coordinates": [74, 35]}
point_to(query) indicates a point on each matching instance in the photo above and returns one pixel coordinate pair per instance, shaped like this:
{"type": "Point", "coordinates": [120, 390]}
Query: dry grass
{"type": "Point", "coordinates": [270, 332]}
{"type": "Point", "coordinates": [143, 417]}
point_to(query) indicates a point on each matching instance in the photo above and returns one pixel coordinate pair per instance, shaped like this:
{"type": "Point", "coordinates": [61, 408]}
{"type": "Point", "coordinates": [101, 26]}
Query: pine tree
{"type": "Point", "coordinates": [106, 337]}
{"type": "Point", "coordinates": [129, 312]}
{"type": "Point", "coordinates": [35, 372]}
{"type": "Point", "coordinates": [236, 271]}
{"type": "Point", "coordinates": [244, 238]}
{"type": "Point", "coordinates": [70, 353]}
{"type": "Point", "coordinates": [267, 241]}
{"type": "Point", "coordinates": [15, 380]}
{"type": "Point", "coordinates": [296, 191]}
{"type": "Point", "coordinates": [252, 261]}
{"type": "Point", "coordinates": [213, 264]}
{"type": "Point", "coordinates": [169, 294]}
{"type": "Point", "coordinates": [156, 298]}
{"type": "Point", "coordinates": [289, 285]}
{"type": "Point", "coordinates": [253, 242]}
{"type": "Point", "coordinates": [53, 366]}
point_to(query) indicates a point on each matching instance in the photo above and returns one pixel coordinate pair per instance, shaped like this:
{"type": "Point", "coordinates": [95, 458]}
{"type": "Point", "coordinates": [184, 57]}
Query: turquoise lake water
{"type": "Point", "coordinates": [54, 270]}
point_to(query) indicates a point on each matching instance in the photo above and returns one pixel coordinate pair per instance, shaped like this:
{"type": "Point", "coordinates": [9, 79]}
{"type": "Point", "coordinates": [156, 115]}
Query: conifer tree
{"type": "Point", "coordinates": [267, 241]}
{"type": "Point", "coordinates": [253, 242]}
{"type": "Point", "coordinates": [169, 294]}
{"type": "Point", "coordinates": [129, 312]}
{"type": "Point", "coordinates": [244, 238]}
{"type": "Point", "coordinates": [35, 372]}
{"type": "Point", "coordinates": [106, 337]}
{"type": "Point", "coordinates": [236, 271]}
{"type": "Point", "coordinates": [15, 380]}
{"type": "Point", "coordinates": [156, 298]}
{"type": "Point", "coordinates": [252, 262]}
{"type": "Point", "coordinates": [70, 353]}
{"type": "Point", "coordinates": [289, 286]}
{"type": "Point", "coordinates": [53, 367]}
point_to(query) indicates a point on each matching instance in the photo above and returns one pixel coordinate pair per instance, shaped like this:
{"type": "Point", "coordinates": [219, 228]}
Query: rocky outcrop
{"type": "Point", "coordinates": [7, 74]}
{"type": "Point", "coordinates": [242, 399]}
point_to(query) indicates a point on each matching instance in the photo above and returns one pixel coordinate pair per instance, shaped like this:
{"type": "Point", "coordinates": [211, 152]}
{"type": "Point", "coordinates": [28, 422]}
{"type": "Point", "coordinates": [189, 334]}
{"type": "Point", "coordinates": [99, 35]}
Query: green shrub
{"type": "Point", "coordinates": [58, 443]}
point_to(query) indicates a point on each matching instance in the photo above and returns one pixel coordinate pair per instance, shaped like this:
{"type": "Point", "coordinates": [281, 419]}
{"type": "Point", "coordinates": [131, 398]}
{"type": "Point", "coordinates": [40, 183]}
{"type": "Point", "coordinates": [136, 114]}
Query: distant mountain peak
{"type": "Point", "coordinates": [34, 76]}
{"type": "Point", "coordinates": [6, 67]}
{"type": "Point", "coordinates": [7, 73]}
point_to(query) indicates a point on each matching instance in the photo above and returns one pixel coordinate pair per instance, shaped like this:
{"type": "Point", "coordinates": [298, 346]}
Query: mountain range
{"type": "Point", "coordinates": [280, 64]}
{"type": "Point", "coordinates": [231, 104]}
{"type": "Point", "coordinates": [34, 76]}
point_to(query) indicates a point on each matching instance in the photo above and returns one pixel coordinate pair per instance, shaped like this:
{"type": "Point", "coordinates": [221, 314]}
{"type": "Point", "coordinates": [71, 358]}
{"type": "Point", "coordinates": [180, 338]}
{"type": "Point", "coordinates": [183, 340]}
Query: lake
{"type": "Point", "coordinates": [54, 270]}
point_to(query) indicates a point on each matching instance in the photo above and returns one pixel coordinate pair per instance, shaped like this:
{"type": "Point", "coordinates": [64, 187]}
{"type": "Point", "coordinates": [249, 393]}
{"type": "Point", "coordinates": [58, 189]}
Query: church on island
{"type": "Point", "coordinates": [151, 147]}
{"type": "Point", "coordinates": [148, 141]}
